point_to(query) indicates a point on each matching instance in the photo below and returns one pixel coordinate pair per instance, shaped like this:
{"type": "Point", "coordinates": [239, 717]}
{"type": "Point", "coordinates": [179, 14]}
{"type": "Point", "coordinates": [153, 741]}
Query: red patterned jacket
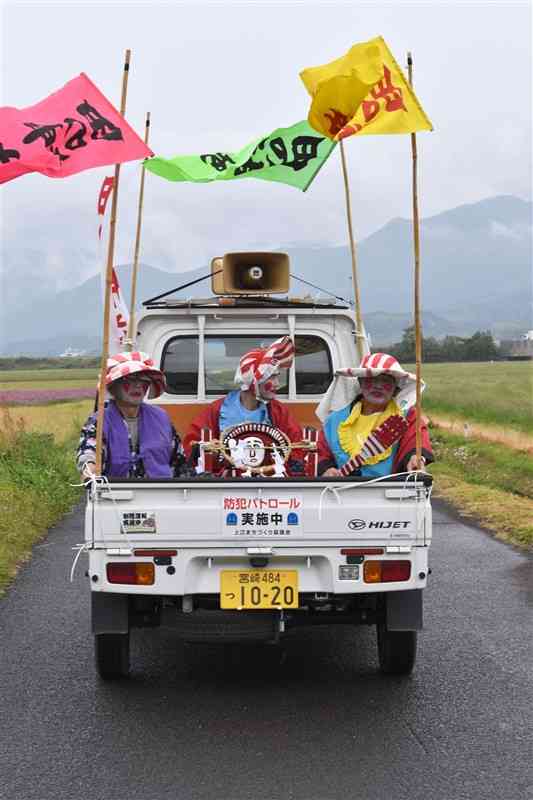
{"type": "Point", "coordinates": [279, 417]}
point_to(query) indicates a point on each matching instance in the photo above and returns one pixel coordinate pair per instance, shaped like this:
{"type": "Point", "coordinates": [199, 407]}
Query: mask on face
{"type": "Point", "coordinates": [131, 390]}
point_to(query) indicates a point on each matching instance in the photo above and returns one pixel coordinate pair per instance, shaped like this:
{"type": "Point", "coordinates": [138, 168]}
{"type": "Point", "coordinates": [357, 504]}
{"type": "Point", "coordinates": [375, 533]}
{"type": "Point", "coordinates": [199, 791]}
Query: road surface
{"type": "Point", "coordinates": [197, 723]}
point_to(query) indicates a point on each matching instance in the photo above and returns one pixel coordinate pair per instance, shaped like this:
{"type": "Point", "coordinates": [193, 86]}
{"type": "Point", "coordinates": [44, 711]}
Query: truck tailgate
{"type": "Point", "coordinates": [234, 513]}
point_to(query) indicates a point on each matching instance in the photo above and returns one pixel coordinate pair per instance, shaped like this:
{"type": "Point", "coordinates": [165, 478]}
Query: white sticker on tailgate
{"type": "Point", "coordinates": [139, 522]}
{"type": "Point", "coordinates": [269, 516]}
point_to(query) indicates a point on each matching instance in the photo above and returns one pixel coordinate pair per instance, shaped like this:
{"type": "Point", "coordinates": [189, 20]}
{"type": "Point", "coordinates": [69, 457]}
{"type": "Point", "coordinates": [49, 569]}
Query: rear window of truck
{"type": "Point", "coordinates": [180, 362]}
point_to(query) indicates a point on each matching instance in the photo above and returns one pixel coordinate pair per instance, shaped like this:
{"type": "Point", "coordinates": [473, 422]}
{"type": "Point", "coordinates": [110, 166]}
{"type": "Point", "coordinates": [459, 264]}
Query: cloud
{"type": "Point", "coordinates": [233, 77]}
{"type": "Point", "coordinates": [516, 233]}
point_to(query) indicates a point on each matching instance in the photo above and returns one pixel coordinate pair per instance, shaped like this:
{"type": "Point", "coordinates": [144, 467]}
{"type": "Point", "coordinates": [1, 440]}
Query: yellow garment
{"type": "Point", "coordinates": [356, 429]}
{"type": "Point", "coordinates": [364, 92]}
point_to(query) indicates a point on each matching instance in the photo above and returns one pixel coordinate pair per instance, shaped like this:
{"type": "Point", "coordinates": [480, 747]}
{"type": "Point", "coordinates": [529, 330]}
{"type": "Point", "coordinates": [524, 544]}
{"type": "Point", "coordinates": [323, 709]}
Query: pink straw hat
{"type": "Point", "coordinates": [136, 363]}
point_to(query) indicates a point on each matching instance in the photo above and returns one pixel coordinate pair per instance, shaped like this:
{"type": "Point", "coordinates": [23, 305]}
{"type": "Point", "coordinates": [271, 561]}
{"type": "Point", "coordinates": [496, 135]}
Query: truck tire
{"type": "Point", "coordinates": [396, 650]}
{"type": "Point", "coordinates": [112, 653]}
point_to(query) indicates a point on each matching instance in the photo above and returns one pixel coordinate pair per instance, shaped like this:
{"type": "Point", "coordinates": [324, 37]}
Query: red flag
{"type": "Point", "coordinates": [118, 319]}
{"type": "Point", "coordinates": [103, 197]}
{"type": "Point", "coordinates": [74, 129]}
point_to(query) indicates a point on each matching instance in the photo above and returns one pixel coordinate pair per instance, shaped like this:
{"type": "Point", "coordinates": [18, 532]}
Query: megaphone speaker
{"type": "Point", "coordinates": [250, 273]}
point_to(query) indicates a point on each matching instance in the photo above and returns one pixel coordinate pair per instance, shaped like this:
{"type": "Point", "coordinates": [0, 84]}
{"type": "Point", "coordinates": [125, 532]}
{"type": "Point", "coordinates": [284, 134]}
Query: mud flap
{"type": "Point", "coordinates": [109, 613]}
{"type": "Point", "coordinates": [404, 610]}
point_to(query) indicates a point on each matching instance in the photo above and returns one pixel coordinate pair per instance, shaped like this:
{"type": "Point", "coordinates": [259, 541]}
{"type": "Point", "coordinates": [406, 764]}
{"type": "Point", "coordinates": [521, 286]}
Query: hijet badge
{"type": "Point", "coordinates": [271, 516]}
{"type": "Point", "coordinates": [138, 522]}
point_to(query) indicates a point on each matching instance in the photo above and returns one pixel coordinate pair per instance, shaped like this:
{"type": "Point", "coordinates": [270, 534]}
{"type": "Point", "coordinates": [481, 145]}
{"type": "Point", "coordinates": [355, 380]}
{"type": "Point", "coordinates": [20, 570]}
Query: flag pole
{"type": "Point", "coordinates": [418, 324]}
{"type": "Point", "coordinates": [109, 274]}
{"type": "Point", "coordinates": [358, 318]}
{"type": "Point", "coordinates": [131, 326]}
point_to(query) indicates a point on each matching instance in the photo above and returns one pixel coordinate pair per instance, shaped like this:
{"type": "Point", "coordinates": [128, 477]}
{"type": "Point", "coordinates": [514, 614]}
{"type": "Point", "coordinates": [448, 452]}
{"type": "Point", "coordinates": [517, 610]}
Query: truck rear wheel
{"type": "Point", "coordinates": [396, 650]}
{"type": "Point", "coordinates": [112, 652]}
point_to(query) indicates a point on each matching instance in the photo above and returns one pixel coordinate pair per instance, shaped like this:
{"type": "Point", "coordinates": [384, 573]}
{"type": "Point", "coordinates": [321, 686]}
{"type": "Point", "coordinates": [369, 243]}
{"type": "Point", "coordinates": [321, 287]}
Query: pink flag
{"type": "Point", "coordinates": [74, 129]}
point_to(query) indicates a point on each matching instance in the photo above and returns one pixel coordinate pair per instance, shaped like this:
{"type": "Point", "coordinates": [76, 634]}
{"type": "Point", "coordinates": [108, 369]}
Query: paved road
{"type": "Point", "coordinates": [228, 724]}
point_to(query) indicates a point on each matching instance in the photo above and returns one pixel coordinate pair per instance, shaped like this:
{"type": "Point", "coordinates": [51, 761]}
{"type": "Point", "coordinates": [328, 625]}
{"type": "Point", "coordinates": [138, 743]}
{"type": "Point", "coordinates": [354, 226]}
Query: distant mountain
{"type": "Point", "coordinates": [476, 274]}
{"type": "Point", "coordinates": [474, 255]}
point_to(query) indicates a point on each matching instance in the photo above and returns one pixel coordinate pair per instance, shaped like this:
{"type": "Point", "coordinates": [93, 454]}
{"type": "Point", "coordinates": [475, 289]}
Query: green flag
{"type": "Point", "coordinates": [288, 155]}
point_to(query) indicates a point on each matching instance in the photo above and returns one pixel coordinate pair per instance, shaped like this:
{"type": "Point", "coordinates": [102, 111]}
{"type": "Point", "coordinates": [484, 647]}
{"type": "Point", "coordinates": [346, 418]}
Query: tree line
{"type": "Point", "coordinates": [478, 347]}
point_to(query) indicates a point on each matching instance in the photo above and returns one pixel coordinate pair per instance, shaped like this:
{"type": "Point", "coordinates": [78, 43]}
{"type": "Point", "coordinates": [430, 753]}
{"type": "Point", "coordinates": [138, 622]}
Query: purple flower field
{"type": "Point", "coordinates": [32, 397]}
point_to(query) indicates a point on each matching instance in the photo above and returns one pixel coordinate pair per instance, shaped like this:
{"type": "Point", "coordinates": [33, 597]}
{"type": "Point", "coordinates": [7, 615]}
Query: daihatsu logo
{"type": "Point", "coordinates": [356, 524]}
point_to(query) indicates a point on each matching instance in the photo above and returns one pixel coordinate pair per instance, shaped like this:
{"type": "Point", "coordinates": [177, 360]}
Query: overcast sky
{"type": "Point", "coordinates": [216, 75]}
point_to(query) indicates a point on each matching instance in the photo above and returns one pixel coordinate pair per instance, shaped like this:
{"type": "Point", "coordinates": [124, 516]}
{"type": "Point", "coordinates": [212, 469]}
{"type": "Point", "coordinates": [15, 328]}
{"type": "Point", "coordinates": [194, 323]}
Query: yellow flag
{"type": "Point", "coordinates": [364, 92]}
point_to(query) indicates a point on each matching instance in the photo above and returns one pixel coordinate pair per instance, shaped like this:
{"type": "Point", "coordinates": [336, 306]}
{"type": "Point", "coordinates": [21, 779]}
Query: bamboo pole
{"type": "Point", "coordinates": [357, 296]}
{"type": "Point", "coordinates": [131, 326]}
{"type": "Point", "coordinates": [109, 275]}
{"type": "Point", "coordinates": [418, 322]}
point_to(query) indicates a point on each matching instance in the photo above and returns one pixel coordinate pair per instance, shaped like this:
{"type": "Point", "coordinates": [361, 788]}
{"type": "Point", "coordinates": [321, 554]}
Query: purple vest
{"type": "Point", "coordinates": [156, 442]}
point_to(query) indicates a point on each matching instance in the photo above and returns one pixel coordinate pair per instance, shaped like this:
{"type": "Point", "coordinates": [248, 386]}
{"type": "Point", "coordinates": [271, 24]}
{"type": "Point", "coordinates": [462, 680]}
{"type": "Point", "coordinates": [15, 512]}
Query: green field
{"type": "Point", "coordinates": [498, 393]}
{"type": "Point", "coordinates": [46, 378]}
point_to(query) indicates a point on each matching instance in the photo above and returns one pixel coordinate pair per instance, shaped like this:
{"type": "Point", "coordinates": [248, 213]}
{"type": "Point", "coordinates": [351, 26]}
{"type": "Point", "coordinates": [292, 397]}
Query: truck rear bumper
{"type": "Point", "coordinates": [197, 571]}
{"type": "Point", "coordinates": [118, 613]}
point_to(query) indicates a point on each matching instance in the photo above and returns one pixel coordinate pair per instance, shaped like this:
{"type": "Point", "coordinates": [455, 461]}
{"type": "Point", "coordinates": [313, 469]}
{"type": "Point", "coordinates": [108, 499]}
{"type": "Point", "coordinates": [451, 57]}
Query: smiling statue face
{"type": "Point", "coordinates": [254, 451]}
{"type": "Point", "coordinates": [378, 390]}
{"type": "Point", "coordinates": [131, 389]}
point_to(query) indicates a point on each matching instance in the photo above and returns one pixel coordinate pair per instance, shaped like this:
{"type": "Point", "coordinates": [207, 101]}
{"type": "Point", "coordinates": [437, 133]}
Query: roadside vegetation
{"type": "Point", "coordinates": [36, 473]}
{"type": "Point", "coordinates": [491, 483]}
{"type": "Point", "coordinates": [481, 418]}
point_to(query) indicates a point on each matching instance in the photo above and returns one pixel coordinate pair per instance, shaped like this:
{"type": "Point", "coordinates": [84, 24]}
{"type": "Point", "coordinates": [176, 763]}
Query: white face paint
{"type": "Point", "coordinates": [254, 451]}
{"type": "Point", "coordinates": [131, 389]}
{"type": "Point", "coordinates": [378, 390]}
{"type": "Point", "coordinates": [267, 389]}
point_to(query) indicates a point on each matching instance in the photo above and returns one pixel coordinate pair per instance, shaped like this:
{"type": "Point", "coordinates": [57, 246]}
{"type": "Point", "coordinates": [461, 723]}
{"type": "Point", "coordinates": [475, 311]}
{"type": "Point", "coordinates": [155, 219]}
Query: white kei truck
{"type": "Point", "coordinates": [249, 557]}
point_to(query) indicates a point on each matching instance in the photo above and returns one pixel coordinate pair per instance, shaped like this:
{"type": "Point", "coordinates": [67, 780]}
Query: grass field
{"type": "Point", "coordinates": [6, 386]}
{"type": "Point", "coordinates": [85, 377]}
{"type": "Point", "coordinates": [499, 393]}
{"type": "Point", "coordinates": [62, 420]}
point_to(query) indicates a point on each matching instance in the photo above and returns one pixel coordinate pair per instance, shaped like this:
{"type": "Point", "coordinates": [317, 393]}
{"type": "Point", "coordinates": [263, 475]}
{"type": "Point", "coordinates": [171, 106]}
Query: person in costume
{"type": "Point", "coordinates": [359, 404]}
{"type": "Point", "coordinates": [255, 401]}
{"type": "Point", "coordinates": [139, 440]}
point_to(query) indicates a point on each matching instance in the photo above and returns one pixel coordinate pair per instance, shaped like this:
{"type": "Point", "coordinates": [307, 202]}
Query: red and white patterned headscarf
{"type": "Point", "coordinates": [340, 393]}
{"type": "Point", "coordinates": [123, 364]}
{"type": "Point", "coordinates": [258, 366]}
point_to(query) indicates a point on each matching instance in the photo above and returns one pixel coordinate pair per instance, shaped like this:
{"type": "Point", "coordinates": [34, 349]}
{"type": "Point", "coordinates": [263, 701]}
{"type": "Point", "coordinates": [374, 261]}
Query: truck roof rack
{"type": "Point", "coordinates": [254, 301]}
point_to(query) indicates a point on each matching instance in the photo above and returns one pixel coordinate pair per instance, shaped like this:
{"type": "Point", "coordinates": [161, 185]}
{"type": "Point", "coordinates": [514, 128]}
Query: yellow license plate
{"type": "Point", "coordinates": [264, 588]}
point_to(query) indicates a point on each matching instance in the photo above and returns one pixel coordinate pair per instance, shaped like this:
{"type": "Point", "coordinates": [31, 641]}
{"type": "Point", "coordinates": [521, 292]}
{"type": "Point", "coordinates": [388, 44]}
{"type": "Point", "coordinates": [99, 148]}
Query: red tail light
{"type": "Point", "coordinates": [137, 573]}
{"type": "Point", "coordinates": [386, 571]}
{"type": "Point", "coordinates": [395, 571]}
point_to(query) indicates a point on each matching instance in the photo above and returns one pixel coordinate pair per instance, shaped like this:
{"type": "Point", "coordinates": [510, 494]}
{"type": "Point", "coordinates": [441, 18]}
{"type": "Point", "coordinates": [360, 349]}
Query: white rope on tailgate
{"type": "Point", "coordinates": [345, 486]}
{"type": "Point", "coordinates": [94, 481]}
